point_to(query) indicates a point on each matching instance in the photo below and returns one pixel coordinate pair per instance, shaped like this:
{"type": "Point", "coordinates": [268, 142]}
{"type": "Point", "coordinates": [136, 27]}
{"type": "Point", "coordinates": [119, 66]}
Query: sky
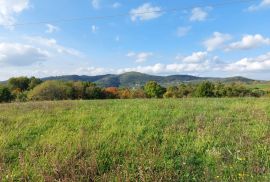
{"type": "Point", "coordinates": [195, 37]}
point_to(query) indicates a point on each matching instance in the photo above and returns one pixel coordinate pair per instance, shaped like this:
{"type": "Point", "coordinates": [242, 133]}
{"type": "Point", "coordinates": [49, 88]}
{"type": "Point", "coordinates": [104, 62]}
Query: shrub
{"type": "Point", "coordinates": [111, 93]}
{"type": "Point", "coordinates": [22, 97]}
{"type": "Point", "coordinates": [51, 90]}
{"type": "Point", "coordinates": [93, 92]}
{"type": "Point", "coordinates": [5, 94]}
{"type": "Point", "coordinates": [172, 92]}
{"type": "Point", "coordinates": [154, 90]}
{"type": "Point", "coordinates": [125, 93]}
{"type": "Point", "coordinates": [205, 89]}
{"type": "Point", "coordinates": [34, 82]}
{"type": "Point", "coordinates": [138, 94]}
{"type": "Point", "coordinates": [78, 90]}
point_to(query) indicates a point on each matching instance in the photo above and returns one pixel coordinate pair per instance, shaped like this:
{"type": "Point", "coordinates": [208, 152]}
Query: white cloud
{"type": "Point", "coordinates": [16, 54]}
{"type": "Point", "coordinates": [196, 62]}
{"type": "Point", "coordinates": [195, 57]}
{"type": "Point", "coordinates": [216, 41]}
{"type": "Point", "coordinates": [263, 4]}
{"type": "Point", "coordinates": [145, 12]}
{"type": "Point", "coordinates": [140, 57]}
{"type": "Point", "coordinates": [249, 42]}
{"type": "Point", "coordinates": [259, 63]}
{"type": "Point", "coordinates": [96, 4]}
{"type": "Point", "coordinates": [183, 31]}
{"type": "Point", "coordinates": [53, 46]}
{"type": "Point", "coordinates": [9, 9]}
{"type": "Point", "coordinates": [94, 28]}
{"type": "Point", "coordinates": [51, 28]}
{"type": "Point", "coordinates": [116, 5]}
{"type": "Point", "coordinates": [91, 71]}
{"type": "Point", "coordinates": [198, 14]}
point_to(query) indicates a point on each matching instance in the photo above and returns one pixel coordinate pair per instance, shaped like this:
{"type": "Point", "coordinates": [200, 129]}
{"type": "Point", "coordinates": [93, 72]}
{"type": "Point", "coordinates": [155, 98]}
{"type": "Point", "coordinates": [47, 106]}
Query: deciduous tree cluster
{"type": "Point", "coordinates": [25, 89]}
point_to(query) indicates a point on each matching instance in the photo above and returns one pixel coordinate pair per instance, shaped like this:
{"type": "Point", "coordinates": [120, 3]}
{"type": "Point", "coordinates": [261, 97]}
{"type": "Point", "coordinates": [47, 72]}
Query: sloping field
{"type": "Point", "coordinates": [136, 140]}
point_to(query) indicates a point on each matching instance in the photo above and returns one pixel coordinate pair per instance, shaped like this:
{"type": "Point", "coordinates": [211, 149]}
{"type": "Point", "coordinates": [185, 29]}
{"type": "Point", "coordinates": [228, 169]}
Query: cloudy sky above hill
{"type": "Point", "coordinates": [203, 38]}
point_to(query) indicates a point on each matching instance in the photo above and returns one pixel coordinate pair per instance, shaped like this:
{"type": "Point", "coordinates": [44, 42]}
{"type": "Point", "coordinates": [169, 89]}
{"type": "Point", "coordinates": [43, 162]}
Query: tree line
{"type": "Point", "coordinates": [23, 89]}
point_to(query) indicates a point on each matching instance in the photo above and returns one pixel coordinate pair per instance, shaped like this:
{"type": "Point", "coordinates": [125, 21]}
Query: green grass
{"type": "Point", "coordinates": [136, 140]}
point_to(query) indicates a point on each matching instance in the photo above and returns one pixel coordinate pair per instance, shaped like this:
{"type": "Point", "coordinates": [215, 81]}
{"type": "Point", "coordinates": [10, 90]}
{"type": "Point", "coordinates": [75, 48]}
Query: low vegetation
{"type": "Point", "coordinates": [194, 139]}
{"type": "Point", "coordinates": [27, 89]}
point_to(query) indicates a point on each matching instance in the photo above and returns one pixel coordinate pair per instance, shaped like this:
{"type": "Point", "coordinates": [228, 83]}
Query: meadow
{"type": "Point", "coordinates": [194, 139]}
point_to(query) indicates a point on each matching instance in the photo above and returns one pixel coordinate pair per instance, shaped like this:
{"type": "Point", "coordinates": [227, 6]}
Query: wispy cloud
{"type": "Point", "coordinates": [199, 14]}
{"type": "Point", "coordinates": [140, 57]}
{"type": "Point", "coordinates": [116, 5]}
{"type": "Point", "coordinates": [183, 31]}
{"type": "Point", "coordinates": [10, 8]}
{"type": "Point", "coordinates": [51, 28]}
{"type": "Point", "coordinates": [145, 12]}
{"type": "Point", "coordinates": [262, 5]}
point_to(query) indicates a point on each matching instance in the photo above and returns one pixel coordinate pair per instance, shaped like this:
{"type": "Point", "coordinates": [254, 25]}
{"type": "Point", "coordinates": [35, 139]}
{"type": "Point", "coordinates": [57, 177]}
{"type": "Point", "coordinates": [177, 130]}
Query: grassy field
{"type": "Point", "coordinates": [136, 140]}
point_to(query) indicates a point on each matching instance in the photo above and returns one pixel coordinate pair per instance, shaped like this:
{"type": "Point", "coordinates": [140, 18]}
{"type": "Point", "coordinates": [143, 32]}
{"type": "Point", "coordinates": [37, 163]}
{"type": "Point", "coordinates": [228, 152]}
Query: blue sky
{"type": "Point", "coordinates": [204, 38]}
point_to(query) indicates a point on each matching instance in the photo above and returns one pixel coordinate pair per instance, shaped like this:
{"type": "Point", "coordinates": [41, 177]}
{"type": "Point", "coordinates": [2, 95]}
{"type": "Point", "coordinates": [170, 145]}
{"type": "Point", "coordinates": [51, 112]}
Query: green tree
{"type": "Point", "coordinates": [94, 92]}
{"type": "Point", "coordinates": [172, 92]}
{"type": "Point", "coordinates": [34, 82]}
{"type": "Point", "coordinates": [220, 90]}
{"type": "Point", "coordinates": [19, 84]}
{"type": "Point", "coordinates": [205, 89]}
{"type": "Point", "coordinates": [154, 90]}
{"type": "Point", "coordinates": [5, 94]}
{"type": "Point", "coordinates": [78, 90]}
{"type": "Point", "coordinates": [185, 90]}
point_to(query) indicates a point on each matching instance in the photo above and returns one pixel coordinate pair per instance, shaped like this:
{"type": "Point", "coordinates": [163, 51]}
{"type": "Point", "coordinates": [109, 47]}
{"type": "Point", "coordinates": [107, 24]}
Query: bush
{"type": "Point", "coordinates": [125, 94]}
{"type": "Point", "coordinates": [78, 90]}
{"type": "Point", "coordinates": [94, 92]}
{"type": "Point", "coordinates": [154, 90]}
{"type": "Point", "coordinates": [205, 89]}
{"type": "Point", "coordinates": [5, 94]}
{"type": "Point", "coordinates": [112, 93]}
{"type": "Point", "coordinates": [22, 97]}
{"type": "Point", "coordinates": [51, 90]}
{"type": "Point", "coordinates": [172, 92]}
{"type": "Point", "coordinates": [138, 94]}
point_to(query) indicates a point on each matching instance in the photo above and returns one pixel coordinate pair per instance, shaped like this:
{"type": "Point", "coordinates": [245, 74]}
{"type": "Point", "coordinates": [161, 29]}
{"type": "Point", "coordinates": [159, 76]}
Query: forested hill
{"type": "Point", "coordinates": [135, 79]}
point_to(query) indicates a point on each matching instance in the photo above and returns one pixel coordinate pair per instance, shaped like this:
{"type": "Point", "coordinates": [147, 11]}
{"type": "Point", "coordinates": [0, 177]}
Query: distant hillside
{"type": "Point", "coordinates": [135, 79]}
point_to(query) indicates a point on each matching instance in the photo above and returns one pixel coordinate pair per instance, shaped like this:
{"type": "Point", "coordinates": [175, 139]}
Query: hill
{"type": "Point", "coordinates": [136, 79]}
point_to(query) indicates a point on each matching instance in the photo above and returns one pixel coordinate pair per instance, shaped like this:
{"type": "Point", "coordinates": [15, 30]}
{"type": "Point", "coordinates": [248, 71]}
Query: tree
{"type": "Point", "coordinates": [51, 90]}
{"type": "Point", "coordinates": [20, 83]}
{"type": "Point", "coordinates": [93, 92]}
{"type": "Point", "coordinates": [111, 93]}
{"type": "Point", "coordinates": [205, 89]}
{"type": "Point", "coordinates": [172, 92]}
{"type": "Point", "coordinates": [154, 90]}
{"type": "Point", "coordinates": [220, 90]}
{"type": "Point", "coordinates": [138, 94]}
{"type": "Point", "coordinates": [5, 94]}
{"type": "Point", "coordinates": [78, 90]}
{"type": "Point", "coordinates": [125, 93]}
{"type": "Point", "coordinates": [185, 90]}
{"type": "Point", "coordinates": [34, 82]}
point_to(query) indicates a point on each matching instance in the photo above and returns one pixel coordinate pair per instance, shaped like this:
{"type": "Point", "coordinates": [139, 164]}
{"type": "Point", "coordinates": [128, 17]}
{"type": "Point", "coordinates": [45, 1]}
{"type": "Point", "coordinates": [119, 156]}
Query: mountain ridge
{"type": "Point", "coordinates": [137, 79]}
